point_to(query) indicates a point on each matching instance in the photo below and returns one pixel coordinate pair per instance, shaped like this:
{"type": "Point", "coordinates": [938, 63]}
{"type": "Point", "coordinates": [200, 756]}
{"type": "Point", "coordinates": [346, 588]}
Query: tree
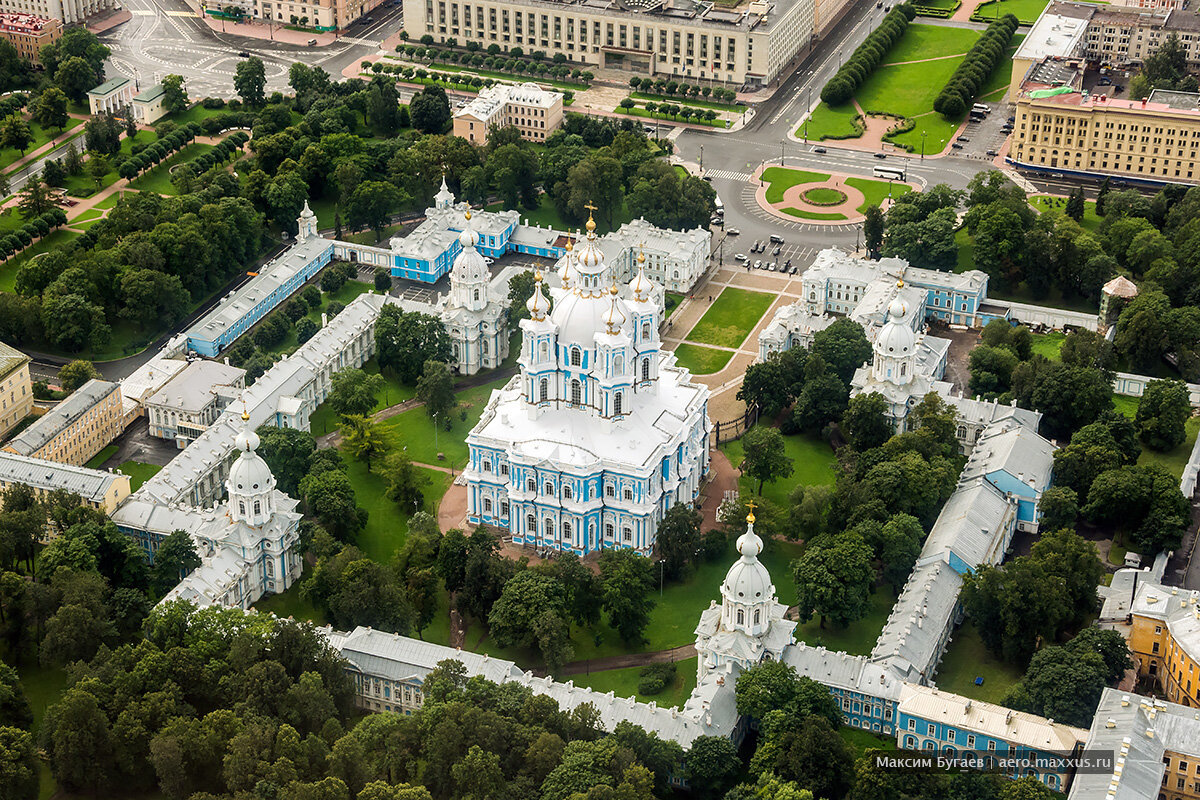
{"type": "Point", "coordinates": [75, 77]}
{"type": "Point", "coordinates": [435, 388]}
{"type": "Point", "coordinates": [776, 686]}
{"type": "Point", "coordinates": [873, 228]}
{"type": "Point", "coordinates": [174, 559]}
{"type": "Point", "coordinates": [329, 496]}
{"type": "Point", "coordinates": [54, 174]}
{"type": "Point", "coordinates": [843, 346]}
{"type": "Point", "coordinates": [1163, 413]}
{"type": "Point", "coordinates": [1075, 204]}
{"type": "Point", "coordinates": [711, 766]}
{"type": "Point", "coordinates": [72, 322]}
{"type": "Point", "coordinates": [287, 452]}
{"type": "Point", "coordinates": [97, 167]}
{"type": "Point", "coordinates": [353, 392]}
{"type": "Point", "coordinates": [51, 109]}
{"type": "Point", "coordinates": [833, 580]}
{"type": "Point", "coordinates": [76, 374]}
{"type": "Point", "coordinates": [35, 200]}
{"type": "Point", "coordinates": [430, 110]}
{"type": "Point", "coordinates": [1145, 496]}
{"type": "Point", "coordinates": [807, 750]}
{"type": "Point", "coordinates": [1058, 508]}
{"type": "Point", "coordinates": [363, 439]}
{"type": "Point", "coordinates": [406, 484]}
{"type": "Point", "coordinates": [250, 80]}
{"type": "Point", "coordinates": [677, 540]}
{"type": "Point", "coordinates": [371, 205]}
{"type": "Point", "coordinates": [626, 586]}
{"type": "Point", "coordinates": [404, 341]}
{"type": "Point", "coordinates": [383, 280]}
{"type": "Point", "coordinates": [102, 134]}
{"type": "Point", "coordinates": [822, 400]}
{"type": "Point", "coordinates": [77, 736]}
{"type": "Point", "coordinates": [15, 710]}
{"type": "Point", "coordinates": [1065, 683]}
{"type": "Point", "coordinates": [765, 456]}
{"type": "Point", "coordinates": [866, 421]}
{"type": "Point", "coordinates": [175, 97]}
{"type": "Point", "coordinates": [531, 610]}
{"type": "Point", "coordinates": [18, 764]}
{"type": "Point", "coordinates": [16, 134]}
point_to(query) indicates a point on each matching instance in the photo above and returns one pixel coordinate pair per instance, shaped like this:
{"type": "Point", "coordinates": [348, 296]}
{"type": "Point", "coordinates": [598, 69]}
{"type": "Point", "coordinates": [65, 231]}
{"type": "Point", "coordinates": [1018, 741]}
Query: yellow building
{"type": "Point", "coordinates": [16, 388]}
{"type": "Point", "coordinates": [1065, 129]}
{"type": "Point", "coordinates": [97, 488]}
{"type": "Point", "coordinates": [1165, 640]}
{"type": "Point", "coordinates": [77, 428]}
{"type": "Point", "coordinates": [529, 108]}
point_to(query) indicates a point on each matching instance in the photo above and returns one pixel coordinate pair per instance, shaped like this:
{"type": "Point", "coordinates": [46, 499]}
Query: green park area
{"type": "Point", "coordinates": [831, 122]}
{"type": "Point", "coordinates": [41, 136]}
{"type": "Point", "coordinates": [9, 269]}
{"type": "Point", "coordinates": [780, 179]}
{"type": "Point", "coordinates": [802, 213]}
{"type": "Point", "coordinates": [927, 42]}
{"type": "Point", "coordinates": [967, 660]}
{"type": "Point", "coordinates": [813, 461]}
{"type": "Point", "coordinates": [1026, 11]}
{"type": "Point", "coordinates": [139, 473]}
{"type": "Point", "coordinates": [1046, 204]}
{"type": "Point", "coordinates": [624, 683]}
{"type": "Point", "coordinates": [875, 192]}
{"type": "Point", "coordinates": [158, 179]}
{"type": "Point", "coordinates": [348, 291]}
{"type": "Point", "coordinates": [731, 318]}
{"type": "Point", "coordinates": [823, 196]}
{"type": "Point", "coordinates": [702, 360]}
{"type": "Point", "coordinates": [857, 638]}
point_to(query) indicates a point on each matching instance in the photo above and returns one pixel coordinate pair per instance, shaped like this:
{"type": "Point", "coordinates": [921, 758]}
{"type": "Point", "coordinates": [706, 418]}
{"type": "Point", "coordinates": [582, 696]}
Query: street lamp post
{"type": "Point", "coordinates": [702, 159]}
{"type": "Point", "coordinates": [839, 58]}
{"type": "Point", "coordinates": [781, 143]}
{"type": "Point", "coordinates": [923, 144]}
{"type": "Point", "coordinates": [435, 432]}
{"type": "Point", "coordinates": [661, 561]}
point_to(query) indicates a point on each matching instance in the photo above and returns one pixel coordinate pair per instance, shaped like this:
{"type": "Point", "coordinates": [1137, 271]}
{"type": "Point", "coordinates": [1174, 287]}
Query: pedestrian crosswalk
{"type": "Point", "coordinates": [727, 175]}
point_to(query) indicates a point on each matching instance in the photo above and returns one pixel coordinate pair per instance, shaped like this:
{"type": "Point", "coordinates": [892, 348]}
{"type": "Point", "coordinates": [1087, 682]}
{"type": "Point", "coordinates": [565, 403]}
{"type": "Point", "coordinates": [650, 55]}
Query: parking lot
{"type": "Point", "coordinates": [791, 256]}
{"type": "Point", "coordinates": [984, 135]}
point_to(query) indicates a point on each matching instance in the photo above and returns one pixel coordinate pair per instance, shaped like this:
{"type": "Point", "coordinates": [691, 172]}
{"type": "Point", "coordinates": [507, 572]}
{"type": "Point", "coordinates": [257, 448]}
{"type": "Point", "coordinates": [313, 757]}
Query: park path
{"type": "Point", "coordinates": [34, 155]}
{"type": "Point", "coordinates": [623, 661]}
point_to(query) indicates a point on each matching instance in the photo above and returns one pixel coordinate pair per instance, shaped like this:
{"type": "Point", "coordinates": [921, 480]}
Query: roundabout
{"type": "Point", "coordinates": [829, 198]}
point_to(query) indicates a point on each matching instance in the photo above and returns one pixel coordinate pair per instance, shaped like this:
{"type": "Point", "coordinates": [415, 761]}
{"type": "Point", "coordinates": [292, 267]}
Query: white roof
{"type": "Point", "coordinates": [92, 485]}
{"type": "Point", "coordinates": [194, 388]}
{"type": "Point", "coordinates": [911, 638]}
{"type": "Point", "coordinates": [1014, 448]}
{"type": "Point", "coordinates": [492, 100]}
{"type": "Point", "coordinates": [1127, 725]}
{"type": "Point", "coordinates": [389, 655]}
{"type": "Point", "coordinates": [970, 525]}
{"type": "Point", "coordinates": [1057, 33]}
{"type": "Point", "coordinates": [152, 375]}
{"type": "Point", "coordinates": [1015, 727]}
{"type": "Point", "coordinates": [844, 671]}
{"type": "Point", "coordinates": [986, 412]}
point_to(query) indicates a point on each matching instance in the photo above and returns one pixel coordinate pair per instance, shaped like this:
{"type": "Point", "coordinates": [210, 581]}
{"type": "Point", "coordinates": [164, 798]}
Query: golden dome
{"type": "Point", "coordinates": [613, 290]}
{"type": "Point", "coordinates": [537, 276]}
{"type": "Point", "coordinates": [468, 215]}
{"type": "Point", "coordinates": [641, 255]}
{"type": "Point", "coordinates": [245, 415]}
{"type": "Point", "coordinates": [591, 223]}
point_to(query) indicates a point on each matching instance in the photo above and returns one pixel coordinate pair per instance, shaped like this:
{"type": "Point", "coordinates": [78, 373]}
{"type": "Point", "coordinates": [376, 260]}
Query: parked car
{"type": "Point", "coordinates": [718, 221]}
{"type": "Point", "coordinates": [732, 231]}
{"type": "Point", "coordinates": [758, 264]}
{"type": "Point", "coordinates": [773, 266]}
{"type": "Point", "coordinates": [992, 153]}
{"type": "Point", "coordinates": [243, 54]}
{"type": "Point", "coordinates": [312, 42]}
{"type": "Point", "coordinates": [706, 178]}
{"type": "Point", "coordinates": [955, 146]}
{"type": "Point", "coordinates": [741, 257]}
{"type": "Point", "coordinates": [794, 270]}
{"type": "Point", "coordinates": [775, 252]}
{"type": "Point", "coordinates": [963, 139]}
{"type": "Point", "coordinates": [787, 263]}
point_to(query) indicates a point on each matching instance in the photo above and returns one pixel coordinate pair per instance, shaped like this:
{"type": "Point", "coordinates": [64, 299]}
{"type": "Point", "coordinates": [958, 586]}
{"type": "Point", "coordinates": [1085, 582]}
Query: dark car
{"type": "Point", "coordinates": [243, 54]}
{"type": "Point", "coordinates": [992, 153]}
{"type": "Point", "coordinates": [963, 139]}
{"type": "Point", "coordinates": [708, 178]}
{"type": "Point", "coordinates": [956, 145]}
{"type": "Point", "coordinates": [819, 150]}
{"type": "Point", "coordinates": [775, 252]}
{"type": "Point", "coordinates": [880, 155]}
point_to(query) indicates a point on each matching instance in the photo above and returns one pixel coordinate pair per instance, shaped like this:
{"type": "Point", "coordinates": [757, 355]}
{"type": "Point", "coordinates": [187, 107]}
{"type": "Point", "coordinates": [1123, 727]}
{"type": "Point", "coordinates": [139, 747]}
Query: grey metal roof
{"type": "Point", "coordinates": [970, 525]}
{"type": "Point", "coordinates": [1127, 725]}
{"type": "Point", "coordinates": [844, 671]}
{"type": "Point", "coordinates": [10, 359]}
{"type": "Point", "coordinates": [192, 389]}
{"type": "Point", "coordinates": [53, 422]}
{"type": "Point", "coordinates": [1014, 448]}
{"type": "Point", "coordinates": [924, 612]}
{"type": "Point", "coordinates": [90, 484]}
{"type": "Point", "coordinates": [396, 657]}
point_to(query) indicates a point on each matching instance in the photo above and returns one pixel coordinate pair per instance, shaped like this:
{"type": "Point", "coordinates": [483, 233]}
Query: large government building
{"type": "Point", "coordinates": [751, 43]}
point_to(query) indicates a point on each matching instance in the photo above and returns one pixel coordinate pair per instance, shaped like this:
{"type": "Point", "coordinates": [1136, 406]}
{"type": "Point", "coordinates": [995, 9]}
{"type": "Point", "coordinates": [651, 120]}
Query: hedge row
{"type": "Point", "coordinates": [956, 96]}
{"type": "Point", "coordinates": [670, 88]}
{"type": "Point", "coordinates": [35, 228]}
{"type": "Point", "coordinates": [501, 63]}
{"type": "Point", "coordinates": [866, 57]}
{"type": "Point", "coordinates": [155, 153]}
{"type": "Point", "coordinates": [221, 153]}
{"type": "Point", "coordinates": [935, 11]}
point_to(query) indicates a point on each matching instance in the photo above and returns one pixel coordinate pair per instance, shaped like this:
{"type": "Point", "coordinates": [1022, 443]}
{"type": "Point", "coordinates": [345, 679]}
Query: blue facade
{"type": "Point", "coordinates": [918, 733]}
{"type": "Point", "coordinates": [1025, 495]}
{"type": "Point", "coordinates": [955, 306]}
{"type": "Point", "coordinates": [866, 711]}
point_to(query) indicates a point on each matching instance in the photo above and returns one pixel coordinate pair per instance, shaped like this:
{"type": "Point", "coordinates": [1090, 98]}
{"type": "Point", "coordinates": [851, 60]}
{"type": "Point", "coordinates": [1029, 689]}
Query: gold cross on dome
{"type": "Point", "coordinates": [590, 207]}
{"type": "Point", "coordinates": [751, 505]}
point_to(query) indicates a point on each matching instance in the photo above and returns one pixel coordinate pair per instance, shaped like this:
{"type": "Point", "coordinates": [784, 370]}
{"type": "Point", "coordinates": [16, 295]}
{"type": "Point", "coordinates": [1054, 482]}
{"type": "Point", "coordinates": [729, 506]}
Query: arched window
{"type": "Point", "coordinates": [531, 523]}
{"type": "Point", "coordinates": [576, 393]}
{"type": "Point", "coordinates": [504, 469]}
{"type": "Point", "coordinates": [617, 403]}
{"type": "Point", "coordinates": [476, 295]}
{"type": "Point", "coordinates": [608, 491]}
{"type": "Point", "coordinates": [487, 505]}
{"type": "Point", "coordinates": [548, 527]}
{"type": "Point", "coordinates": [645, 369]}
{"type": "Point", "coordinates": [741, 617]}
{"type": "Point", "coordinates": [903, 369]}
{"type": "Point", "coordinates": [566, 491]}
{"type": "Point", "coordinates": [608, 531]}
{"type": "Point", "coordinates": [456, 351]}
{"type": "Point", "coordinates": [531, 485]}
{"type": "Point", "coordinates": [576, 357]}
{"type": "Point", "coordinates": [543, 390]}
{"type": "Point", "coordinates": [544, 351]}
{"type": "Point", "coordinates": [257, 508]}
{"type": "Point", "coordinates": [566, 531]}
{"type": "Point", "coordinates": [549, 488]}
{"type": "Point", "coordinates": [619, 365]}
{"type": "Point", "coordinates": [242, 507]}
{"type": "Point", "coordinates": [487, 466]}
{"type": "Point", "coordinates": [645, 330]}
{"type": "Point", "coordinates": [757, 616]}
{"type": "Point", "coordinates": [484, 346]}
{"type": "Point", "coordinates": [628, 493]}
{"type": "Point", "coordinates": [627, 534]}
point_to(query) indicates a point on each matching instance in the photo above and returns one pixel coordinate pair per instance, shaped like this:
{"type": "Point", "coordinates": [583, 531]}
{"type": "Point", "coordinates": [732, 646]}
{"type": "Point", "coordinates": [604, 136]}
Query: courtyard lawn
{"type": "Point", "coordinates": [875, 192]}
{"type": "Point", "coordinates": [368, 236]}
{"type": "Point", "coordinates": [966, 659]}
{"type": "Point", "coordinates": [861, 741]}
{"type": "Point", "coordinates": [197, 113]}
{"type": "Point", "coordinates": [387, 523]}
{"type": "Point", "coordinates": [1058, 205]}
{"type": "Point", "coordinates": [780, 179]}
{"type": "Point", "coordinates": [1175, 460]}
{"type": "Point", "coordinates": [41, 136]}
{"type": "Point", "coordinates": [731, 317]}
{"type": "Point", "coordinates": [101, 457]}
{"type": "Point", "coordinates": [624, 683]}
{"type": "Point", "coordinates": [392, 392]}
{"type": "Point", "coordinates": [1049, 344]}
{"type": "Point", "coordinates": [413, 430]}
{"type": "Point", "coordinates": [158, 179]}
{"type": "Point", "coordinates": [966, 250]}
{"type": "Point", "coordinates": [671, 301]}
{"type": "Point", "coordinates": [1026, 11]}
{"type": "Point", "coordinates": [817, 215]}
{"type": "Point", "coordinates": [349, 291]}
{"type": "Point", "coordinates": [8, 270]}
{"type": "Point", "coordinates": [702, 360]}
{"type": "Point", "coordinates": [139, 473]}
{"type": "Point", "coordinates": [812, 463]}
{"type": "Point", "coordinates": [831, 122]}
{"type": "Point", "coordinates": [1126, 405]}
{"type": "Point", "coordinates": [857, 638]}
{"type": "Point", "coordinates": [922, 42]}
{"type": "Point", "coordinates": [547, 216]}
{"type": "Point", "coordinates": [291, 604]}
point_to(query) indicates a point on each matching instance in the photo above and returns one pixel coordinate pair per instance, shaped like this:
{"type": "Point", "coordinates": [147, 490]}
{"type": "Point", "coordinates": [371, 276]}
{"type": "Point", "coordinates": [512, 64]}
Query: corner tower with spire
{"type": "Point", "coordinates": [748, 626]}
{"type": "Point", "coordinates": [474, 312]}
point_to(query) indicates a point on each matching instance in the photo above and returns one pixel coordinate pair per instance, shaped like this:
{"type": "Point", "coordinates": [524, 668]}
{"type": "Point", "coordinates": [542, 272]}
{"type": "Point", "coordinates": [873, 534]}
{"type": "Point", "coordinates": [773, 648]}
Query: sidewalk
{"type": "Point", "coordinates": [61, 139]}
{"type": "Point", "coordinates": [276, 33]}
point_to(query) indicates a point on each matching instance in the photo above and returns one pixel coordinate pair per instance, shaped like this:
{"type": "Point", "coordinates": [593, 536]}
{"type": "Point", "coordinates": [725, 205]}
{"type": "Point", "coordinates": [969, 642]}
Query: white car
{"type": "Point", "coordinates": [488, 260]}
{"type": "Point", "coordinates": [741, 257]}
{"type": "Point", "coordinates": [758, 264]}
{"type": "Point", "coordinates": [732, 231]}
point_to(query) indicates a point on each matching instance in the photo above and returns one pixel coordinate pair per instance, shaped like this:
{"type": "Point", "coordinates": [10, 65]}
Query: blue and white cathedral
{"type": "Point", "coordinates": [601, 432]}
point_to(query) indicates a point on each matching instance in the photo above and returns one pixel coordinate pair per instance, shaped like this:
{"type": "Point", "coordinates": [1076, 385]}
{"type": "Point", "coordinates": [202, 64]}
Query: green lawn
{"type": "Point", "coordinates": [731, 317]}
{"type": "Point", "coordinates": [671, 301]}
{"type": "Point", "coordinates": [690, 101]}
{"type": "Point", "coordinates": [921, 42]}
{"type": "Point", "coordinates": [702, 360]}
{"type": "Point", "coordinates": [624, 683]}
{"type": "Point", "coordinates": [1175, 460]}
{"type": "Point", "coordinates": [861, 741]}
{"type": "Point", "coordinates": [824, 196]}
{"type": "Point", "coordinates": [158, 179]}
{"type": "Point", "coordinates": [8, 270]}
{"type": "Point", "coordinates": [110, 201]}
{"type": "Point", "coordinates": [817, 215]}
{"type": "Point", "coordinates": [91, 215]}
{"type": "Point", "coordinates": [101, 457]}
{"type": "Point", "coordinates": [966, 250]}
{"type": "Point", "coordinates": [197, 113]}
{"type": "Point", "coordinates": [11, 219]}
{"type": "Point", "coordinates": [1049, 344]}
{"type": "Point", "coordinates": [875, 192]}
{"type": "Point", "coordinates": [859, 637]}
{"type": "Point", "coordinates": [906, 90]}
{"type": "Point", "coordinates": [43, 686]}
{"type": "Point", "coordinates": [829, 122]}
{"type": "Point", "coordinates": [1026, 11]}
{"type": "Point", "coordinates": [392, 392]}
{"type": "Point", "coordinates": [387, 524]}
{"type": "Point", "coordinates": [1126, 405]}
{"type": "Point", "coordinates": [40, 137]}
{"type": "Point", "coordinates": [966, 659]}
{"type": "Point", "coordinates": [508, 77]}
{"type": "Point", "coordinates": [83, 185]}
{"type": "Point", "coordinates": [291, 604]}
{"type": "Point", "coordinates": [812, 463]}
{"type": "Point", "coordinates": [139, 473]}
{"type": "Point", "coordinates": [368, 236]}
{"type": "Point", "coordinates": [937, 129]}
{"type": "Point", "coordinates": [1058, 205]}
{"type": "Point", "coordinates": [780, 179]}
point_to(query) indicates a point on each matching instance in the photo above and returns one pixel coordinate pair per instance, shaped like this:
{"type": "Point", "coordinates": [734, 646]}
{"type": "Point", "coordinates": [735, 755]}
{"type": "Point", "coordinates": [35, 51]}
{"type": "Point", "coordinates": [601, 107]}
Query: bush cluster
{"type": "Point", "coordinates": [670, 88]}
{"type": "Point", "coordinates": [672, 110]}
{"type": "Point", "coordinates": [512, 63]}
{"type": "Point", "coordinates": [956, 96]}
{"type": "Point", "coordinates": [155, 153]}
{"type": "Point", "coordinates": [220, 153]}
{"type": "Point", "coordinates": [35, 228]}
{"type": "Point", "coordinates": [866, 57]}
{"type": "Point", "coordinates": [656, 677]}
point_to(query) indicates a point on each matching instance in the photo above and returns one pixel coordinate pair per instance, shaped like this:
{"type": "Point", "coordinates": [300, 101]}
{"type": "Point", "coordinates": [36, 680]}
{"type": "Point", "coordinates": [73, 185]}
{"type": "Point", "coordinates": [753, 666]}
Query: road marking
{"type": "Point", "coordinates": [727, 175]}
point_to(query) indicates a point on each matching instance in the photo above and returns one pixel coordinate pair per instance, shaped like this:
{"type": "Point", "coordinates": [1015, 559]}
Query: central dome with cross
{"type": "Point", "coordinates": [590, 303]}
